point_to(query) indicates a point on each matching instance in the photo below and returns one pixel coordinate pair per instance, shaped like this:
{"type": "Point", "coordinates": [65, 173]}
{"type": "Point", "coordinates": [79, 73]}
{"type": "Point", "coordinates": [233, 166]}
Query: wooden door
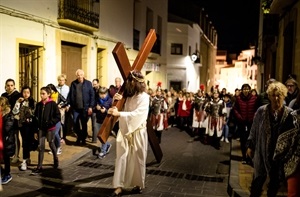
{"type": "Point", "coordinates": [71, 61]}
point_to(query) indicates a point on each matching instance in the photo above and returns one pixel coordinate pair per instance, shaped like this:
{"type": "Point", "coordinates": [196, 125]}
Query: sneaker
{"type": "Point", "coordinates": [101, 155]}
{"type": "Point", "coordinates": [59, 151]}
{"type": "Point", "coordinates": [226, 140]}
{"type": "Point", "coordinates": [222, 139]}
{"type": "Point", "coordinates": [36, 171]}
{"type": "Point", "coordinates": [108, 148]}
{"type": "Point", "coordinates": [6, 179]}
{"type": "Point", "coordinates": [50, 152]}
{"type": "Point", "coordinates": [23, 165]}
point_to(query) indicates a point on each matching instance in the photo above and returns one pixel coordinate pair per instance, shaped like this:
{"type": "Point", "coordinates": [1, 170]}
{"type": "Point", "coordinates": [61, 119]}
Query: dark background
{"type": "Point", "coordinates": [236, 21]}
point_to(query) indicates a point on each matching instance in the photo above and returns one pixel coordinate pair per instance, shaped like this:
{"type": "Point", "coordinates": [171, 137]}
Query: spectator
{"type": "Point", "coordinates": [244, 109]}
{"type": "Point", "coordinates": [288, 152]}
{"type": "Point", "coordinates": [66, 117]}
{"type": "Point", "coordinates": [228, 107]}
{"type": "Point", "coordinates": [96, 87]}
{"type": "Point", "coordinates": [263, 97]}
{"type": "Point", "coordinates": [113, 89]}
{"type": "Point", "coordinates": [62, 87]}
{"type": "Point", "coordinates": [24, 113]}
{"type": "Point", "coordinates": [48, 115]}
{"type": "Point", "coordinates": [103, 103]}
{"type": "Point", "coordinates": [8, 136]}
{"type": "Point", "coordinates": [61, 103]}
{"type": "Point", "coordinates": [82, 100]}
{"type": "Point", "coordinates": [13, 95]}
{"type": "Point", "coordinates": [293, 90]}
{"type": "Point", "coordinates": [261, 143]}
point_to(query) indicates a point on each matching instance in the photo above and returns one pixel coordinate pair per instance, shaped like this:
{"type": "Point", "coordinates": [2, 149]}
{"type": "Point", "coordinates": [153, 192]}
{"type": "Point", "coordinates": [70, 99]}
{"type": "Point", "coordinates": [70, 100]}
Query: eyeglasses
{"type": "Point", "coordinates": [290, 86]}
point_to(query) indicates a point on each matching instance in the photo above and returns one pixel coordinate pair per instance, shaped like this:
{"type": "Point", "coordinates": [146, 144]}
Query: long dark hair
{"type": "Point", "coordinates": [135, 84]}
{"type": "Point", "coordinates": [52, 87]}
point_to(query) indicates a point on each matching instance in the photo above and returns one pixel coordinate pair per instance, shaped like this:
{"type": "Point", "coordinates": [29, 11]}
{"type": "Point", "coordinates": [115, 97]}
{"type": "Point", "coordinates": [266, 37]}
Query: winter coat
{"type": "Point", "coordinates": [106, 103]}
{"type": "Point", "coordinates": [12, 98]}
{"type": "Point", "coordinates": [8, 134]}
{"type": "Point", "coordinates": [244, 108]}
{"type": "Point", "coordinates": [47, 115]}
{"type": "Point", "coordinates": [24, 111]}
{"type": "Point", "coordinates": [88, 94]}
{"type": "Point", "coordinates": [259, 140]}
{"type": "Point", "coordinates": [288, 144]}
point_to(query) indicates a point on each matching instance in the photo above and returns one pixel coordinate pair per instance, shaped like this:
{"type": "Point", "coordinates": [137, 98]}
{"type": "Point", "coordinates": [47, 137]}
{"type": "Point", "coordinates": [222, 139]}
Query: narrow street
{"type": "Point", "coordinates": [187, 169]}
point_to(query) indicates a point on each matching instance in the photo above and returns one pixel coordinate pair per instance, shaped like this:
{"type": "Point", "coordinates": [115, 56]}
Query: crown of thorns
{"type": "Point", "coordinates": [137, 78]}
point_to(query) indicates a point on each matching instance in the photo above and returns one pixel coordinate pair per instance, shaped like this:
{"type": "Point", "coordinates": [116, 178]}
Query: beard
{"type": "Point", "coordinates": [129, 90]}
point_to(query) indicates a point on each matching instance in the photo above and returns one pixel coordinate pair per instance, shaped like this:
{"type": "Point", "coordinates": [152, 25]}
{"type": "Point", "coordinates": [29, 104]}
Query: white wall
{"type": "Point", "coordinates": [116, 25]}
{"type": "Point", "coordinates": [43, 8]}
{"type": "Point", "coordinates": [16, 30]}
{"type": "Point", "coordinates": [39, 25]}
{"type": "Point", "coordinates": [180, 67]}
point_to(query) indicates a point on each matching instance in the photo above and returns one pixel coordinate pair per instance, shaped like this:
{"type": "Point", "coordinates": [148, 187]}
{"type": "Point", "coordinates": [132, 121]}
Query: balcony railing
{"type": "Point", "coordinates": [78, 12]}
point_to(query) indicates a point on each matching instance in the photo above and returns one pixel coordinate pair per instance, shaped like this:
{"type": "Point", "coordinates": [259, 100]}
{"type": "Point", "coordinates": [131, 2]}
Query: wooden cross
{"type": "Point", "coordinates": [124, 66]}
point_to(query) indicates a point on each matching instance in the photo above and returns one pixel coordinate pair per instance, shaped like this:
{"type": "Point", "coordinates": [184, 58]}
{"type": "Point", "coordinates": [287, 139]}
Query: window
{"type": "Point", "coordinates": [176, 49]}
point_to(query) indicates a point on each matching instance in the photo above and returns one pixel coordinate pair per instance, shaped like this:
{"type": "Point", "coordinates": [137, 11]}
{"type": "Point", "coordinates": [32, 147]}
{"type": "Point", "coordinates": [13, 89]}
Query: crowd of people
{"type": "Point", "coordinates": [61, 108]}
{"type": "Point", "coordinates": [266, 124]}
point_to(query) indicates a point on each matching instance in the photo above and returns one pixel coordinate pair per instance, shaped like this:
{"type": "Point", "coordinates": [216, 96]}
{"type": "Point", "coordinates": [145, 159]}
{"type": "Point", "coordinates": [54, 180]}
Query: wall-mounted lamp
{"type": "Point", "coordinates": [195, 58]}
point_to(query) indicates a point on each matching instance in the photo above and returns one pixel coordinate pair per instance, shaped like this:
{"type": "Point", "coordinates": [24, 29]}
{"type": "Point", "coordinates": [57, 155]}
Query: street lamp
{"type": "Point", "coordinates": [195, 58]}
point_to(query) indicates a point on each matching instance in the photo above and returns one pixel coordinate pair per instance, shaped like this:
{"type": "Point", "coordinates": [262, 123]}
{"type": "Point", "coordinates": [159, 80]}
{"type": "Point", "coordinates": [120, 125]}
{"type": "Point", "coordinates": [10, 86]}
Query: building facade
{"type": "Point", "coordinates": [41, 41]}
{"type": "Point", "coordinates": [281, 31]}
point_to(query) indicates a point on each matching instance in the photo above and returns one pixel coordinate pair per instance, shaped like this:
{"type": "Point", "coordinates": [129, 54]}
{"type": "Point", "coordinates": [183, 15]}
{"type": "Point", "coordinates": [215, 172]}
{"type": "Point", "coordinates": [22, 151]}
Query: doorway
{"type": "Point", "coordinates": [71, 60]}
{"type": "Point", "coordinates": [176, 85]}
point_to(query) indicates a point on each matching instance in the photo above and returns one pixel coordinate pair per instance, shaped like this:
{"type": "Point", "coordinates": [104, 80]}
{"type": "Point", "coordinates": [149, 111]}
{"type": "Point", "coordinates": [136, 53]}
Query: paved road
{"type": "Point", "coordinates": [187, 169]}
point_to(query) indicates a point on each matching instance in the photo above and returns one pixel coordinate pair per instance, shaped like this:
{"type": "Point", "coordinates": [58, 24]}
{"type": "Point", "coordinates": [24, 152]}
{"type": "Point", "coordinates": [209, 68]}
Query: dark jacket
{"type": "Point", "coordinates": [47, 115]}
{"type": "Point", "coordinates": [106, 103]}
{"type": "Point", "coordinates": [8, 134]}
{"type": "Point", "coordinates": [244, 108]}
{"type": "Point", "coordinates": [88, 94]}
{"type": "Point", "coordinates": [290, 97]}
{"type": "Point", "coordinates": [263, 99]}
{"type": "Point", "coordinates": [12, 98]}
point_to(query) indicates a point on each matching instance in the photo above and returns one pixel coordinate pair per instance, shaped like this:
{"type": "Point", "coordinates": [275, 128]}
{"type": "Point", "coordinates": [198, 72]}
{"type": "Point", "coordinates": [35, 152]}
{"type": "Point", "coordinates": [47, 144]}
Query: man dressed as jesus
{"type": "Point", "coordinates": [132, 138]}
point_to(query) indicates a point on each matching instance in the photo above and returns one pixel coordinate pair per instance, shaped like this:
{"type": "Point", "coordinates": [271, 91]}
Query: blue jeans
{"type": "Point", "coordinates": [103, 146]}
{"type": "Point", "coordinates": [225, 131]}
{"type": "Point", "coordinates": [57, 135]}
{"type": "Point", "coordinates": [80, 118]}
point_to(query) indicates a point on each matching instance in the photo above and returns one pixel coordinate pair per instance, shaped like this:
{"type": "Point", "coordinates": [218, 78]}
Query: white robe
{"type": "Point", "coordinates": [132, 143]}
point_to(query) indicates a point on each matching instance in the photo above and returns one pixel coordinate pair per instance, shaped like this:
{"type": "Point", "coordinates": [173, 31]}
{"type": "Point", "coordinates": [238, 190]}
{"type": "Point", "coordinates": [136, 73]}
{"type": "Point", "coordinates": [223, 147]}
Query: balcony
{"type": "Point", "coordinates": [81, 15]}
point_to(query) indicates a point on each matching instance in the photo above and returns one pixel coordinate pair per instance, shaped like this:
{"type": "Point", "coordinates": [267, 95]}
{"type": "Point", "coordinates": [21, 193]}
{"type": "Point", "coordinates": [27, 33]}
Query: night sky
{"type": "Point", "coordinates": [236, 21]}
